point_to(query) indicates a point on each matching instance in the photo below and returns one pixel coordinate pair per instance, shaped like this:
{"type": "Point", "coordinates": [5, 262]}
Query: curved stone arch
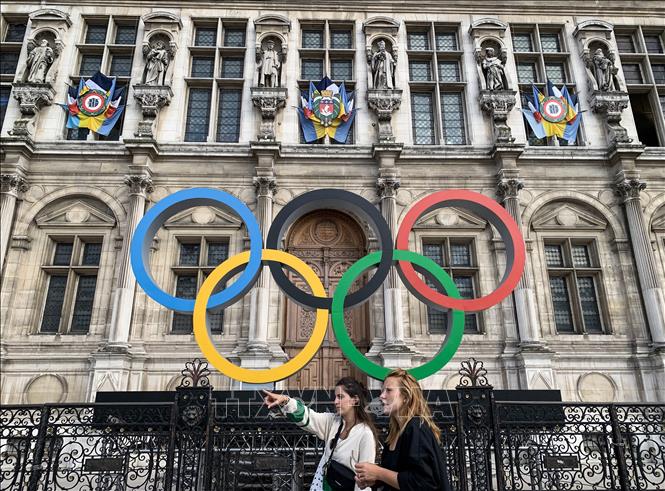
{"type": "Point", "coordinates": [594, 24]}
{"type": "Point", "coordinates": [489, 22]}
{"type": "Point", "coordinates": [161, 15]}
{"type": "Point", "coordinates": [580, 389]}
{"type": "Point", "coordinates": [534, 206]}
{"type": "Point", "coordinates": [64, 387]}
{"type": "Point", "coordinates": [26, 219]}
{"type": "Point", "coordinates": [381, 21]}
{"type": "Point", "coordinates": [371, 39]}
{"type": "Point", "coordinates": [157, 32]}
{"type": "Point", "coordinates": [653, 208]}
{"type": "Point", "coordinates": [264, 36]}
{"type": "Point", "coordinates": [50, 14]}
{"type": "Point", "coordinates": [273, 19]}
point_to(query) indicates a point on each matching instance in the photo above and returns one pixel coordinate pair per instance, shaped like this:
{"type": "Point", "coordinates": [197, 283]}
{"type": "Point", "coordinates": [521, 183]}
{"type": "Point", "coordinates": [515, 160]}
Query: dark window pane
{"type": "Point", "coordinates": [625, 43]}
{"type": "Point", "coordinates": [121, 66]}
{"type": "Point", "coordinates": [5, 92]}
{"type": "Point", "coordinates": [198, 115]}
{"type": "Point", "coordinates": [581, 258]}
{"type": "Point", "coordinates": [452, 118]}
{"type": "Point", "coordinates": [526, 73]}
{"type": "Point", "coordinates": [422, 118]}
{"type": "Point", "coordinates": [563, 316]}
{"type": "Point", "coordinates": [645, 119]}
{"type": "Point", "coordinates": [418, 41]}
{"type": "Point", "coordinates": [312, 39]}
{"type": "Point", "coordinates": [15, 32]}
{"type": "Point", "coordinates": [434, 252]}
{"type": "Point", "coordinates": [341, 69]}
{"type": "Point", "coordinates": [658, 73]}
{"type": "Point", "coordinates": [312, 69]}
{"type": "Point", "coordinates": [446, 41]}
{"type": "Point", "coordinates": [232, 67]}
{"type": "Point", "coordinates": [449, 71]}
{"type": "Point", "coordinates": [522, 42]}
{"type": "Point", "coordinates": [653, 43]}
{"type": "Point", "coordinates": [464, 285]}
{"type": "Point", "coordinates": [218, 252]}
{"type": "Point", "coordinates": [202, 66]}
{"type": "Point", "coordinates": [234, 37]}
{"type": "Point", "coordinates": [85, 296]}
{"type": "Point", "coordinates": [550, 43]}
{"type": "Point", "coordinates": [661, 98]}
{"type": "Point", "coordinates": [53, 306]}
{"type": "Point", "coordinates": [340, 39]}
{"type": "Point", "coordinates": [92, 253]}
{"type": "Point", "coordinates": [205, 36]}
{"type": "Point", "coordinates": [185, 288]}
{"type": "Point", "coordinates": [96, 34]}
{"type": "Point", "coordinates": [90, 64]}
{"type": "Point", "coordinates": [437, 320]}
{"type": "Point", "coordinates": [216, 321]}
{"type": "Point", "coordinates": [632, 73]}
{"type": "Point", "coordinates": [8, 63]}
{"type": "Point", "coordinates": [420, 70]}
{"type": "Point", "coordinates": [78, 133]}
{"type": "Point", "coordinates": [556, 73]}
{"type": "Point", "coordinates": [228, 119]}
{"type": "Point", "coordinates": [554, 256]}
{"type": "Point", "coordinates": [189, 254]}
{"type": "Point", "coordinates": [63, 253]}
{"type": "Point", "coordinates": [589, 302]}
{"type": "Point", "coordinates": [125, 34]}
{"type": "Point", "coordinates": [460, 254]}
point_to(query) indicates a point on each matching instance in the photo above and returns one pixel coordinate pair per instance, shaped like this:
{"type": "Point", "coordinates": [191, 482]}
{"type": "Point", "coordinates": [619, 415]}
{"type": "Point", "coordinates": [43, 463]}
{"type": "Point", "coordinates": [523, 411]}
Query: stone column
{"type": "Point", "coordinates": [260, 306]}
{"type": "Point", "coordinates": [508, 189]}
{"type": "Point", "coordinates": [629, 186]}
{"type": "Point", "coordinates": [123, 298]}
{"type": "Point", "coordinates": [12, 186]}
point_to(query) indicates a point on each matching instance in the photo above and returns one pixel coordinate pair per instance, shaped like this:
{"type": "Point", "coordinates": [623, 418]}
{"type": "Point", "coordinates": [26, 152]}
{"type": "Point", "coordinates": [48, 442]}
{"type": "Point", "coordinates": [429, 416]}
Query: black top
{"type": "Point", "coordinates": [417, 459]}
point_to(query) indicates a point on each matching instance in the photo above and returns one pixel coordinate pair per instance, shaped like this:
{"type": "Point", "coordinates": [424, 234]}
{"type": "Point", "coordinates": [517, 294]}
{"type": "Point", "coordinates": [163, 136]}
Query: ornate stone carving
{"type": "Point", "coordinates": [138, 184]}
{"type": "Point", "coordinates": [269, 64]}
{"type": "Point", "coordinates": [384, 103]}
{"type": "Point", "coordinates": [45, 45]}
{"type": "Point", "coordinates": [498, 104]}
{"type": "Point", "coordinates": [387, 187]}
{"type": "Point", "coordinates": [490, 53]}
{"type": "Point", "coordinates": [602, 71]}
{"type": "Point", "coordinates": [159, 47]}
{"type": "Point", "coordinates": [272, 40]}
{"type": "Point", "coordinates": [265, 185]}
{"type": "Point", "coordinates": [157, 58]}
{"type": "Point", "coordinates": [509, 188]}
{"type": "Point", "coordinates": [33, 96]}
{"type": "Point", "coordinates": [13, 184]}
{"type": "Point", "coordinates": [40, 58]}
{"type": "Point", "coordinates": [630, 189]}
{"type": "Point", "coordinates": [492, 66]}
{"type": "Point", "coordinates": [610, 105]}
{"type": "Point", "coordinates": [382, 64]}
{"type": "Point", "coordinates": [151, 98]}
{"type": "Point", "coordinates": [269, 101]}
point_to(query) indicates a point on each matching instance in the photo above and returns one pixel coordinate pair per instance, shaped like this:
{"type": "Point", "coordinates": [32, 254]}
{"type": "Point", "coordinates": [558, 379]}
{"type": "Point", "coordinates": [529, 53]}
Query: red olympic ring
{"type": "Point", "coordinates": [489, 210]}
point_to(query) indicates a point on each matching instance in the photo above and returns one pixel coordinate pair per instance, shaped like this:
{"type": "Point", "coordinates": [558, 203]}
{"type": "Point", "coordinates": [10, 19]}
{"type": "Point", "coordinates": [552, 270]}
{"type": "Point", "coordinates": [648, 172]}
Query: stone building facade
{"type": "Point", "coordinates": [588, 316]}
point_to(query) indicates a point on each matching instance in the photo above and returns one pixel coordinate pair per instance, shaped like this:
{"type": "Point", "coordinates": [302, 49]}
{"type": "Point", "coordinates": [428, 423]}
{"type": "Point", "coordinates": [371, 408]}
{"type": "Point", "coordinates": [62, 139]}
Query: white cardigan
{"type": "Point", "coordinates": [359, 443]}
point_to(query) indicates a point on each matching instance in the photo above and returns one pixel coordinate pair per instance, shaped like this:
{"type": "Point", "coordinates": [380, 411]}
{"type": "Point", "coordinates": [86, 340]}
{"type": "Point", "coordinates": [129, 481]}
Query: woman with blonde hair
{"type": "Point", "coordinates": [412, 458]}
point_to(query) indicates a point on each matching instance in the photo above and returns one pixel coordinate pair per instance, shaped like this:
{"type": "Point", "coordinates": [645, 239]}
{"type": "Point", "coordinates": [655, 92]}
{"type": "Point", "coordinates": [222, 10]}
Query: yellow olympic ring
{"type": "Point", "coordinates": [259, 376]}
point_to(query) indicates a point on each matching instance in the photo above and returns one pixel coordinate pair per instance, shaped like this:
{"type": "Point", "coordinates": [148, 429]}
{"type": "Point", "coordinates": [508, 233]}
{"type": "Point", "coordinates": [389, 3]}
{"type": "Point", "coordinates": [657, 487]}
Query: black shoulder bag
{"type": "Point", "coordinates": [338, 476]}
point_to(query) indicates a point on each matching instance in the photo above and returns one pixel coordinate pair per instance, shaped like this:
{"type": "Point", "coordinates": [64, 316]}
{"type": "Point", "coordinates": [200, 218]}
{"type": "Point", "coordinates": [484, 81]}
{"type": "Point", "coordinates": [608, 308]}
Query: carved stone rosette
{"type": "Point", "coordinates": [384, 102]}
{"type": "Point", "coordinates": [269, 100]}
{"type": "Point", "coordinates": [152, 98]}
{"type": "Point", "coordinates": [31, 97]}
{"type": "Point", "coordinates": [498, 104]}
{"type": "Point", "coordinates": [610, 105]}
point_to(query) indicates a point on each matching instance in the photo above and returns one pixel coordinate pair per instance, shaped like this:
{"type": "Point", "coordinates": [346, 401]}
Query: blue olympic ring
{"type": "Point", "coordinates": [175, 203]}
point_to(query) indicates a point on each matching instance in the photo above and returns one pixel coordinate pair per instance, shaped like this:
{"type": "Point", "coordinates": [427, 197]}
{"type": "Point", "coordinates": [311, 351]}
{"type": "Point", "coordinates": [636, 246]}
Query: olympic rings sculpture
{"type": "Point", "coordinates": [248, 265]}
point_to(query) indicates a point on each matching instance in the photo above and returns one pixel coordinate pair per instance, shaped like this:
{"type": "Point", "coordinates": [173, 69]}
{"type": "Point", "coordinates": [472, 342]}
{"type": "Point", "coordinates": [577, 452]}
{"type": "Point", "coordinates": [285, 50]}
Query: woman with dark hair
{"type": "Point", "coordinates": [411, 458]}
{"type": "Point", "coordinates": [349, 435]}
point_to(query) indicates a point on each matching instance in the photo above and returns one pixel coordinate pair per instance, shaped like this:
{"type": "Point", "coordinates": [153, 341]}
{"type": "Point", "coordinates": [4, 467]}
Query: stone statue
{"type": "Point", "coordinates": [157, 59]}
{"type": "Point", "coordinates": [269, 66]}
{"type": "Point", "coordinates": [493, 70]}
{"type": "Point", "coordinates": [40, 59]}
{"type": "Point", "coordinates": [383, 65]}
{"type": "Point", "coordinates": [603, 71]}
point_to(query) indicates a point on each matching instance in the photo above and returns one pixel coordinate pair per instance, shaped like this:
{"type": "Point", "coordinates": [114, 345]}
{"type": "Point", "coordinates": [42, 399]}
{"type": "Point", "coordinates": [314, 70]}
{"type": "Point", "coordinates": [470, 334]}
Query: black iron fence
{"type": "Point", "coordinates": [198, 442]}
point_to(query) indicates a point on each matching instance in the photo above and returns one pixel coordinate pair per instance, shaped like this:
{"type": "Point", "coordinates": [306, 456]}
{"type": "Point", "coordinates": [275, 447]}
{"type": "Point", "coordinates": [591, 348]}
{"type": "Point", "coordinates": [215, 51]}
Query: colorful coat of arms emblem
{"type": "Point", "coordinates": [328, 110]}
{"type": "Point", "coordinates": [555, 113]}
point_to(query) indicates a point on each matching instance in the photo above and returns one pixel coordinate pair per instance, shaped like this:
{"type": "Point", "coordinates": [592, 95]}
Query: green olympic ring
{"type": "Point", "coordinates": [453, 338]}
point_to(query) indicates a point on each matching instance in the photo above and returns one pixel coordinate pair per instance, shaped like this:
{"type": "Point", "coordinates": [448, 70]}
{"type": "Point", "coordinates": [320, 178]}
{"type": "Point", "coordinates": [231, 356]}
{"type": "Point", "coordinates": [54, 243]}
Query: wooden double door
{"type": "Point", "coordinates": [329, 242]}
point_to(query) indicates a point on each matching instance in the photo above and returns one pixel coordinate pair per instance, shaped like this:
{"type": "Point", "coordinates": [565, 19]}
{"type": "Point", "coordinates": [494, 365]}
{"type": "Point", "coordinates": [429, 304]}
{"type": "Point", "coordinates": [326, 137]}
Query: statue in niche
{"type": "Point", "coordinates": [603, 71]}
{"type": "Point", "coordinates": [40, 59]}
{"type": "Point", "coordinates": [495, 76]}
{"type": "Point", "coordinates": [157, 59]}
{"type": "Point", "coordinates": [382, 64]}
{"type": "Point", "coordinates": [269, 65]}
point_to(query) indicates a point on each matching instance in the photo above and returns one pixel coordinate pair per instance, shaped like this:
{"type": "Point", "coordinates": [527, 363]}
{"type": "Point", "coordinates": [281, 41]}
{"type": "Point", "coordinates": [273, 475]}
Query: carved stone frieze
{"type": "Point", "coordinates": [31, 98]}
{"type": "Point", "coordinates": [151, 98]}
{"type": "Point", "coordinates": [610, 105]}
{"type": "Point", "coordinates": [498, 104]}
{"type": "Point", "coordinates": [384, 102]}
{"type": "Point", "coordinates": [269, 100]}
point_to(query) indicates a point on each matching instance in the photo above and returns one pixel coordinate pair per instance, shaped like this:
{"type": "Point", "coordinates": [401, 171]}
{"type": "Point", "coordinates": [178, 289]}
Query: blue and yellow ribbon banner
{"type": "Point", "coordinates": [554, 113]}
{"type": "Point", "coordinates": [328, 110]}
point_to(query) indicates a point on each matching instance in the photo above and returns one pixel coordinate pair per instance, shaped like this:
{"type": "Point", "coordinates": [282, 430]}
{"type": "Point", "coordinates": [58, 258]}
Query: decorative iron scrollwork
{"type": "Point", "coordinates": [473, 374]}
{"type": "Point", "coordinates": [195, 374]}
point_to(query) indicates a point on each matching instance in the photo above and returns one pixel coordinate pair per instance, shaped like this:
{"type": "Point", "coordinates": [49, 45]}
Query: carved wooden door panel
{"type": "Point", "coordinates": [330, 242]}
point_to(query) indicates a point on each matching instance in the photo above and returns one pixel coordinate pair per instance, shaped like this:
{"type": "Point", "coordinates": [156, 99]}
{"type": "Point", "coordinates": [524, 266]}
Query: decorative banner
{"type": "Point", "coordinates": [327, 111]}
{"type": "Point", "coordinates": [249, 264]}
{"type": "Point", "coordinates": [96, 104]}
{"type": "Point", "coordinates": [554, 114]}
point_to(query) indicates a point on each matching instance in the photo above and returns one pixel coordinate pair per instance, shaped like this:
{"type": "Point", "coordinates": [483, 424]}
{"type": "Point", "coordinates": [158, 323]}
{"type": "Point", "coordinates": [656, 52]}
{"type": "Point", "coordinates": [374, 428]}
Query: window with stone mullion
{"type": "Point", "coordinates": [422, 118]}
{"type": "Point", "coordinates": [198, 115]}
{"type": "Point", "coordinates": [452, 118]}
{"type": "Point", "coordinates": [228, 115]}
